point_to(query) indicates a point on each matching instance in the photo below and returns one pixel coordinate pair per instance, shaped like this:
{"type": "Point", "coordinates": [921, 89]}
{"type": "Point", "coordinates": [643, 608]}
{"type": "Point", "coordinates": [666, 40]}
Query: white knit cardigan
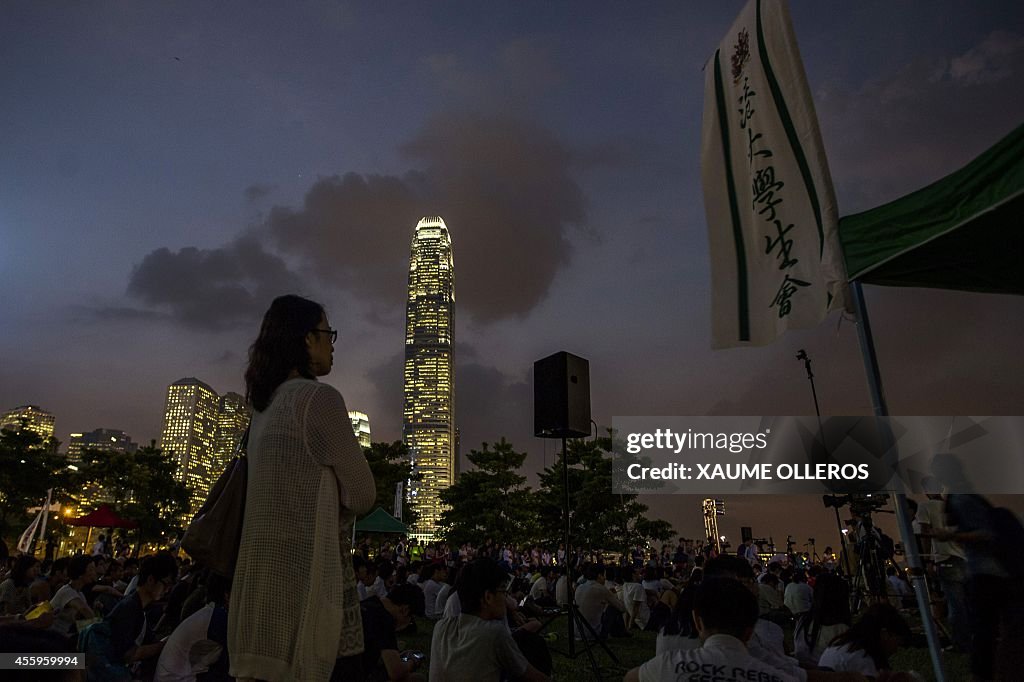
{"type": "Point", "coordinates": [294, 607]}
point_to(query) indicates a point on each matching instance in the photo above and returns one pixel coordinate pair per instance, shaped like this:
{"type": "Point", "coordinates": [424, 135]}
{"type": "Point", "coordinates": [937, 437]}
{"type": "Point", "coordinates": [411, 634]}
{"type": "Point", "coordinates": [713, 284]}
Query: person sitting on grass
{"type": "Point", "coordinates": [476, 645]}
{"type": "Point", "coordinates": [724, 614]}
{"type": "Point", "coordinates": [866, 647]}
{"type": "Point", "coordinates": [383, 618]}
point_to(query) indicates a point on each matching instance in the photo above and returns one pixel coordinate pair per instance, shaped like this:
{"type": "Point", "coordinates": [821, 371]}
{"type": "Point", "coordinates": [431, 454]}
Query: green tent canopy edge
{"type": "Point", "coordinates": [379, 521]}
{"type": "Point", "coordinates": [963, 231]}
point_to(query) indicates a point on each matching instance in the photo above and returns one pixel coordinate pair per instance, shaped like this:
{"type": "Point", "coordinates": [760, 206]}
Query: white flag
{"type": "Point", "coordinates": [398, 500]}
{"type": "Point", "coordinates": [776, 262]}
{"type": "Point", "coordinates": [25, 541]}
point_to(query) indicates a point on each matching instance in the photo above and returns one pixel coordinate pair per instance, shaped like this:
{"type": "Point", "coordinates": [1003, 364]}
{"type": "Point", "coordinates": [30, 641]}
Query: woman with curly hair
{"type": "Point", "coordinates": [294, 607]}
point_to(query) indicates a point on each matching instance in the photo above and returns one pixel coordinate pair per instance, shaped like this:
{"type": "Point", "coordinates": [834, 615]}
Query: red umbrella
{"type": "Point", "coordinates": [103, 517]}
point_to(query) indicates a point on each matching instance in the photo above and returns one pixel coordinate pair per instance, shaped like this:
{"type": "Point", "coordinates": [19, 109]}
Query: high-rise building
{"type": "Point", "coordinates": [103, 440]}
{"type": "Point", "coordinates": [107, 441]}
{"type": "Point", "coordinates": [30, 417]}
{"type": "Point", "coordinates": [360, 427]}
{"type": "Point", "coordinates": [232, 419]}
{"type": "Point", "coordinates": [429, 406]}
{"type": "Point", "coordinates": [190, 432]}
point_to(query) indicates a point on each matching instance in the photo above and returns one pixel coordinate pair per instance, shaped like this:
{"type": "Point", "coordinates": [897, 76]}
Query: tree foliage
{"type": "Point", "coordinates": [28, 468]}
{"type": "Point", "coordinates": [600, 518]}
{"type": "Point", "coordinates": [490, 501]}
{"type": "Point", "coordinates": [391, 465]}
{"type": "Point", "coordinates": [139, 486]}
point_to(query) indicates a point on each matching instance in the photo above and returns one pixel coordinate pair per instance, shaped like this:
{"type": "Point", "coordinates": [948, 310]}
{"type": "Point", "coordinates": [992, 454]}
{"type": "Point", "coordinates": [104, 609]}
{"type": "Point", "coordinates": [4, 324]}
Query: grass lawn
{"type": "Point", "coordinates": [638, 648]}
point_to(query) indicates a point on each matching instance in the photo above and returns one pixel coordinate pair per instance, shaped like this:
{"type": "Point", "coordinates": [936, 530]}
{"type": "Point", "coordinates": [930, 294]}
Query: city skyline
{"type": "Point", "coordinates": [171, 169]}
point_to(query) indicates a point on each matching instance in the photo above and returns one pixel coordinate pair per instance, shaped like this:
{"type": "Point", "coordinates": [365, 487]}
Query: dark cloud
{"type": "Point", "coordinates": [488, 403]}
{"type": "Point", "coordinates": [508, 196]}
{"type": "Point", "coordinates": [354, 231]}
{"type": "Point", "coordinates": [921, 121]}
{"type": "Point", "coordinates": [504, 188]}
{"type": "Point", "coordinates": [255, 192]}
{"type": "Point", "coordinates": [212, 289]}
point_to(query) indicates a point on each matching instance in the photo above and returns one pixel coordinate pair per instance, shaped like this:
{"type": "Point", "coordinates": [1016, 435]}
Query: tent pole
{"type": "Point", "coordinates": [917, 574]}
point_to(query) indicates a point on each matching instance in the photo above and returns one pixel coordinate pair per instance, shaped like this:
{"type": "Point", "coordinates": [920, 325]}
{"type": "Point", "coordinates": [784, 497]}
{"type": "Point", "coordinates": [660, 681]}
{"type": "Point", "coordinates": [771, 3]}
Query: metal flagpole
{"type": "Point", "coordinates": [917, 575]}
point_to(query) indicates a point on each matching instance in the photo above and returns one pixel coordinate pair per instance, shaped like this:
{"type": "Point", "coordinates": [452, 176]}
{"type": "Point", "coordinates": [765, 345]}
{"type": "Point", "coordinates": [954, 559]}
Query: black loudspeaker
{"type": "Point", "coordinates": [561, 396]}
{"type": "Point", "coordinates": [746, 533]}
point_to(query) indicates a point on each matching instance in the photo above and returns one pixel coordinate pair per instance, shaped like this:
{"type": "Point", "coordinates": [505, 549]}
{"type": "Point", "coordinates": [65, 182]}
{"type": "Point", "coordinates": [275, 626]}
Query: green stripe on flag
{"type": "Point", "coordinates": [737, 228]}
{"type": "Point", "coordinates": [787, 123]}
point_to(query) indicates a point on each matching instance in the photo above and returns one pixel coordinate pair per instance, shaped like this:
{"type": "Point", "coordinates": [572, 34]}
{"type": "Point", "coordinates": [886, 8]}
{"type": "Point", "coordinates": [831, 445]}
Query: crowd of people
{"type": "Point", "coordinates": [302, 604]}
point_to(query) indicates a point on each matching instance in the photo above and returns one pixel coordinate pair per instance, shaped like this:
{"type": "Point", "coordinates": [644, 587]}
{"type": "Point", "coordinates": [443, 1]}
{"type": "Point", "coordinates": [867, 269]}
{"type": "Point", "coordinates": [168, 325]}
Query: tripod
{"type": "Point", "coordinates": [869, 579]}
{"type": "Point", "coordinates": [576, 620]}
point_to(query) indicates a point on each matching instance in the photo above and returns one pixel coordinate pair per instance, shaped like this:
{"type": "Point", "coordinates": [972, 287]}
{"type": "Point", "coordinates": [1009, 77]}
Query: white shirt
{"type": "Point", "coordinates": [442, 599]}
{"type": "Point", "coordinates": [562, 591]}
{"type": "Point", "coordinates": [799, 597]}
{"type": "Point", "coordinates": [841, 660]}
{"type": "Point", "coordinates": [431, 588]}
{"type": "Point", "coordinates": [721, 657]}
{"type": "Point", "coordinates": [933, 513]}
{"type": "Point", "coordinates": [188, 652]}
{"type": "Point", "coordinates": [65, 595]}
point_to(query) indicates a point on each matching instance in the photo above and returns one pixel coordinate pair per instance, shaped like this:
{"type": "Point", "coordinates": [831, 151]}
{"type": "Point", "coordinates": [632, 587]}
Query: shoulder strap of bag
{"type": "Point", "coordinates": [243, 444]}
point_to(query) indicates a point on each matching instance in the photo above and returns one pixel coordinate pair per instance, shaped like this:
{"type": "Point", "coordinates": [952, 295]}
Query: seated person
{"type": "Point", "coordinates": [601, 609]}
{"type": "Point", "coordinates": [436, 576]}
{"type": "Point", "coordinates": [69, 603]}
{"type": "Point", "coordinates": [382, 619]}
{"type": "Point", "coordinates": [724, 614]}
{"type": "Point", "coordinates": [866, 647]}
{"type": "Point", "coordinates": [128, 619]}
{"type": "Point", "coordinates": [476, 645]}
{"type": "Point", "coordinates": [198, 645]}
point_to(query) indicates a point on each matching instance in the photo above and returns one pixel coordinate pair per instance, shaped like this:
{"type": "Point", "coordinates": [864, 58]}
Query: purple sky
{"type": "Point", "coordinates": [168, 169]}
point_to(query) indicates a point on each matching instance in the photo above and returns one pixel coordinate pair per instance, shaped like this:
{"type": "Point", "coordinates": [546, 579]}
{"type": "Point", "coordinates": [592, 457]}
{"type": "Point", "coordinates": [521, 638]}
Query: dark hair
{"type": "Point", "coordinates": [21, 567]}
{"type": "Point", "coordinates": [59, 565]}
{"type": "Point", "coordinates": [280, 347]}
{"type": "Point", "coordinates": [217, 588]}
{"type": "Point", "coordinates": [78, 565]}
{"type": "Point", "coordinates": [866, 633]}
{"type": "Point", "coordinates": [728, 566]}
{"type": "Point", "coordinates": [160, 565]}
{"type": "Point", "coordinates": [476, 578]}
{"type": "Point", "coordinates": [681, 621]}
{"type": "Point", "coordinates": [830, 606]}
{"type": "Point", "coordinates": [726, 605]}
{"type": "Point", "coordinates": [408, 595]}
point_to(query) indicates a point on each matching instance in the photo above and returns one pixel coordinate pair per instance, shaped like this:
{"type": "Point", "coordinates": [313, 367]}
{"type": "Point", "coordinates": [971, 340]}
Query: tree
{"type": "Point", "coordinates": [391, 465]}
{"type": "Point", "coordinates": [140, 486]}
{"type": "Point", "coordinates": [28, 468]}
{"type": "Point", "coordinates": [491, 501]}
{"type": "Point", "coordinates": [601, 519]}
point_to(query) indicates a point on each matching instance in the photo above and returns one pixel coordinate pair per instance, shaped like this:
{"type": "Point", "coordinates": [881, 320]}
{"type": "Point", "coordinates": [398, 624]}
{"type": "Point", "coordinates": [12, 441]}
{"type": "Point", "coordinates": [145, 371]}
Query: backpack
{"type": "Point", "coordinates": [94, 642]}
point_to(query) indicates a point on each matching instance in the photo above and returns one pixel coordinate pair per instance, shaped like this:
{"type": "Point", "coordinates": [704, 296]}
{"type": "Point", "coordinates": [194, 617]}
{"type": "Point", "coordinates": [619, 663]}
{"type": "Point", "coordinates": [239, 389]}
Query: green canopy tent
{"type": "Point", "coordinates": [379, 521]}
{"type": "Point", "coordinates": [963, 232]}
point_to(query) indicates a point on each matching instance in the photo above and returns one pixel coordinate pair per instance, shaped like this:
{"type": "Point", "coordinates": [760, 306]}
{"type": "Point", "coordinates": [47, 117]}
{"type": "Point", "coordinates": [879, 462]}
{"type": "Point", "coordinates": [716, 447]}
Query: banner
{"type": "Point", "coordinates": [776, 262]}
{"type": "Point", "coordinates": [25, 541]}
{"type": "Point", "coordinates": [398, 500]}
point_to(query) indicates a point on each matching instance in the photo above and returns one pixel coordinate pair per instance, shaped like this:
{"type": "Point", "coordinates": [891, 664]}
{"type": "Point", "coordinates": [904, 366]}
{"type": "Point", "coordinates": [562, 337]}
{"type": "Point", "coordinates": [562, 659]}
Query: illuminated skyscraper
{"type": "Point", "coordinates": [232, 419]}
{"type": "Point", "coordinates": [103, 440]}
{"type": "Point", "coordinates": [360, 427]}
{"type": "Point", "coordinates": [30, 417]}
{"type": "Point", "coordinates": [190, 432]}
{"type": "Point", "coordinates": [429, 408]}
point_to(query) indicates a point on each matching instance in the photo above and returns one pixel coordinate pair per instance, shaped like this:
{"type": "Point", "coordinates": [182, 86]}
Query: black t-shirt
{"type": "Point", "coordinates": [378, 635]}
{"type": "Point", "coordinates": [127, 621]}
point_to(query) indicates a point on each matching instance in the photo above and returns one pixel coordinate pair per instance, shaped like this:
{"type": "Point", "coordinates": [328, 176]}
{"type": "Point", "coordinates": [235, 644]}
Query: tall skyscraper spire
{"type": "Point", "coordinates": [429, 408]}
